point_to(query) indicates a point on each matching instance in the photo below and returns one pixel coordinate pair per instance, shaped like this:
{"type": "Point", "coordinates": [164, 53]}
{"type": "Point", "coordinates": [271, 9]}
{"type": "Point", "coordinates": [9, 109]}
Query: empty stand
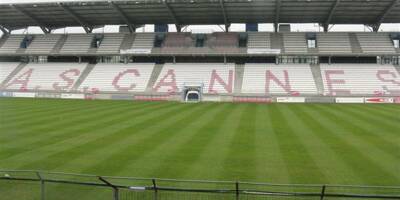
{"type": "Point", "coordinates": [111, 43]}
{"type": "Point", "coordinates": [376, 43]}
{"type": "Point", "coordinates": [43, 44]}
{"type": "Point", "coordinates": [57, 47]}
{"type": "Point", "coordinates": [178, 40]}
{"type": "Point", "coordinates": [259, 40]}
{"type": "Point", "coordinates": [360, 79]}
{"type": "Point", "coordinates": [77, 43]}
{"type": "Point", "coordinates": [224, 42]}
{"type": "Point", "coordinates": [46, 76]}
{"type": "Point", "coordinates": [12, 44]}
{"type": "Point", "coordinates": [132, 77]}
{"type": "Point", "coordinates": [295, 43]}
{"type": "Point", "coordinates": [270, 79]}
{"type": "Point", "coordinates": [334, 43]}
{"type": "Point", "coordinates": [127, 41]}
{"type": "Point", "coordinates": [216, 78]}
{"type": "Point", "coordinates": [6, 68]}
{"type": "Point", "coordinates": [143, 42]}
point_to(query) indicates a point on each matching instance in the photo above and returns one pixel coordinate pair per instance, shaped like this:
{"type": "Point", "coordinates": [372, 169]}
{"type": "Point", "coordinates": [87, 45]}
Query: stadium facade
{"type": "Point", "coordinates": [249, 66]}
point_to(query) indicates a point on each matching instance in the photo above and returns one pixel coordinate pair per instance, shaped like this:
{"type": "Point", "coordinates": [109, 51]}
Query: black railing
{"type": "Point", "coordinates": [27, 185]}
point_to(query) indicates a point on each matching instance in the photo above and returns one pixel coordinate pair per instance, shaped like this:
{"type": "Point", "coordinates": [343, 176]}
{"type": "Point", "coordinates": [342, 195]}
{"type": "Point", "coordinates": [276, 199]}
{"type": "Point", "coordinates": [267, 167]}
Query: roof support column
{"type": "Point", "coordinates": [4, 30]}
{"type": "Point", "coordinates": [381, 18]}
{"type": "Point", "coordinates": [45, 29]}
{"type": "Point", "coordinates": [225, 16]}
{"type": "Point", "coordinates": [328, 20]}
{"type": "Point", "coordinates": [77, 18]}
{"type": "Point", "coordinates": [173, 15]}
{"type": "Point", "coordinates": [277, 15]}
{"type": "Point", "coordinates": [122, 14]}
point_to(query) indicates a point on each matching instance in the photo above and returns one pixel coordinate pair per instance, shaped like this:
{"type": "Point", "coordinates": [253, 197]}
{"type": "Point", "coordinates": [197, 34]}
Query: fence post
{"type": "Point", "coordinates": [155, 189]}
{"type": "Point", "coordinates": [115, 188]}
{"type": "Point", "coordinates": [323, 192]}
{"type": "Point", "coordinates": [237, 190]}
{"type": "Point", "coordinates": [42, 186]}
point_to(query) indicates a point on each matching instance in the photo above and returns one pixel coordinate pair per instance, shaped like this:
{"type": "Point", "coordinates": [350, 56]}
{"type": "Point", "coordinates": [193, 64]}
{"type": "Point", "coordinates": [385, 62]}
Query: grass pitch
{"type": "Point", "coordinates": [277, 143]}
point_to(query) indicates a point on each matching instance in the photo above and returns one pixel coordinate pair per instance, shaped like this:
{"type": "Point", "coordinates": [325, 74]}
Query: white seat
{"type": "Point", "coordinates": [132, 77]}
{"type": "Point", "coordinates": [360, 79]}
{"type": "Point", "coordinates": [47, 76]}
{"type": "Point", "coordinates": [207, 74]}
{"type": "Point", "coordinates": [6, 68]}
{"type": "Point", "coordinates": [299, 79]}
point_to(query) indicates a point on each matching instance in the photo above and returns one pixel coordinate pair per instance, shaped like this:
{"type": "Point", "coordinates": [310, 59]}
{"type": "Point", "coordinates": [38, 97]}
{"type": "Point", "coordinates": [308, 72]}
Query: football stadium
{"type": "Point", "coordinates": [179, 113]}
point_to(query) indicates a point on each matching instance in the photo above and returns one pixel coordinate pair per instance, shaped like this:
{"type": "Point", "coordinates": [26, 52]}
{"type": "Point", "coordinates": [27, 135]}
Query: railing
{"type": "Point", "coordinates": [27, 185]}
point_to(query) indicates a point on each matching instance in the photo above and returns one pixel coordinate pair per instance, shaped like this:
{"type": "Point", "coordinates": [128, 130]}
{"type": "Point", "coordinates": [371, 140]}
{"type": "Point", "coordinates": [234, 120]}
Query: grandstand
{"type": "Point", "coordinates": [307, 150]}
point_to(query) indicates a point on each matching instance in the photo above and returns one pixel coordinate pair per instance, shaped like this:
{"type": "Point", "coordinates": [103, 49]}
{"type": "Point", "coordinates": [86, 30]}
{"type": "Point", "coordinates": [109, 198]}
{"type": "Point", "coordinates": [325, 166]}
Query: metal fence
{"type": "Point", "coordinates": [35, 185]}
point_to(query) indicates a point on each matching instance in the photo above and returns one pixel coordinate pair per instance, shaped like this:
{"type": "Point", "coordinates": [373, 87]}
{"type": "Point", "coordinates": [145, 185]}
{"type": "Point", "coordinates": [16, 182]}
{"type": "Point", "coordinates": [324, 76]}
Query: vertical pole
{"type": "Point", "coordinates": [42, 187]}
{"type": "Point", "coordinates": [323, 192]}
{"type": "Point", "coordinates": [116, 193]}
{"type": "Point", "coordinates": [155, 189]}
{"type": "Point", "coordinates": [237, 190]}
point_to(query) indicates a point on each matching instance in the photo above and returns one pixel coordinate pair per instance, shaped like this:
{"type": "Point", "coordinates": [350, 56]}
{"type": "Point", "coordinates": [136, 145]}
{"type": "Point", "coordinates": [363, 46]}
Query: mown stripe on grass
{"type": "Point", "coordinates": [371, 163]}
{"type": "Point", "coordinates": [208, 162]}
{"type": "Point", "coordinates": [40, 125]}
{"type": "Point", "coordinates": [178, 150]}
{"type": "Point", "coordinates": [327, 148]}
{"type": "Point", "coordinates": [66, 131]}
{"type": "Point", "coordinates": [29, 119]}
{"type": "Point", "coordinates": [240, 158]}
{"type": "Point", "coordinates": [272, 168]}
{"type": "Point", "coordinates": [147, 140]}
{"type": "Point", "coordinates": [362, 128]}
{"type": "Point", "coordinates": [94, 133]}
{"type": "Point", "coordinates": [294, 153]}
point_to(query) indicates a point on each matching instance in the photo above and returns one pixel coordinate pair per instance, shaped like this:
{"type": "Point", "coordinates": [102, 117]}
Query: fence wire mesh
{"type": "Point", "coordinates": [34, 185]}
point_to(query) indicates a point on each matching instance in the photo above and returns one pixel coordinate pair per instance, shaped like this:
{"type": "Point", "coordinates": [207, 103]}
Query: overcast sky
{"type": "Point", "coordinates": [208, 29]}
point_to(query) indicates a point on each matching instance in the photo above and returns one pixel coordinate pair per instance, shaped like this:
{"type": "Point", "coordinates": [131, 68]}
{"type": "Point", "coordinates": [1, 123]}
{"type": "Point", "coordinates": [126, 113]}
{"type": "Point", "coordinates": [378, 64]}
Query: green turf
{"type": "Point", "coordinates": [277, 143]}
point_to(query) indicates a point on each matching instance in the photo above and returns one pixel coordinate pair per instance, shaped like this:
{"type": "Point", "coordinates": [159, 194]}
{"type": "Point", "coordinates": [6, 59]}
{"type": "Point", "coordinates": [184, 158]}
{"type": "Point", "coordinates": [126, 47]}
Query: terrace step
{"type": "Point", "coordinates": [154, 76]}
{"type": "Point", "coordinates": [355, 44]}
{"type": "Point", "coordinates": [397, 67]}
{"type": "Point", "coordinates": [59, 44]}
{"type": "Point", "coordinates": [3, 39]}
{"type": "Point", "coordinates": [127, 41]}
{"type": "Point", "coordinates": [277, 42]}
{"type": "Point", "coordinates": [316, 71]}
{"type": "Point", "coordinates": [239, 71]}
{"type": "Point", "coordinates": [13, 73]}
{"type": "Point", "coordinates": [83, 76]}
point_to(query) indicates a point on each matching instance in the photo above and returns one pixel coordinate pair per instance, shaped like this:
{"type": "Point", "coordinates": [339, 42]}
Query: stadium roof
{"type": "Point", "coordinates": [65, 13]}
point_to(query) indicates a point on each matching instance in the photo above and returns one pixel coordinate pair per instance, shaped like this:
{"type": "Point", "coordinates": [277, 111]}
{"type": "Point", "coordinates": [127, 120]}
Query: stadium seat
{"type": "Point", "coordinates": [360, 79]}
{"type": "Point", "coordinates": [6, 68]}
{"type": "Point", "coordinates": [376, 43]}
{"type": "Point", "coordinates": [132, 77]}
{"type": "Point", "coordinates": [43, 44]}
{"type": "Point", "coordinates": [77, 44]}
{"type": "Point", "coordinates": [46, 76]}
{"type": "Point", "coordinates": [111, 43]}
{"type": "Point", "coordinates": [334, 43]}
{"type": "Point", "coordinates": [216, 78]}
{"type": "Point", "coordinates": [12, 44]}
{"type": "Point", "coordinates": [295, 43]}
{"type": "Point", "coordinates": [271, 79]}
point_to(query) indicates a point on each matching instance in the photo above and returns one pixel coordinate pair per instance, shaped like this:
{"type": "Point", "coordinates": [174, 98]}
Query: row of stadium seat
{"type": "Point", "coordinates": [112, 43]}
{"type": "Point", "coordinates": [217, 78]}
